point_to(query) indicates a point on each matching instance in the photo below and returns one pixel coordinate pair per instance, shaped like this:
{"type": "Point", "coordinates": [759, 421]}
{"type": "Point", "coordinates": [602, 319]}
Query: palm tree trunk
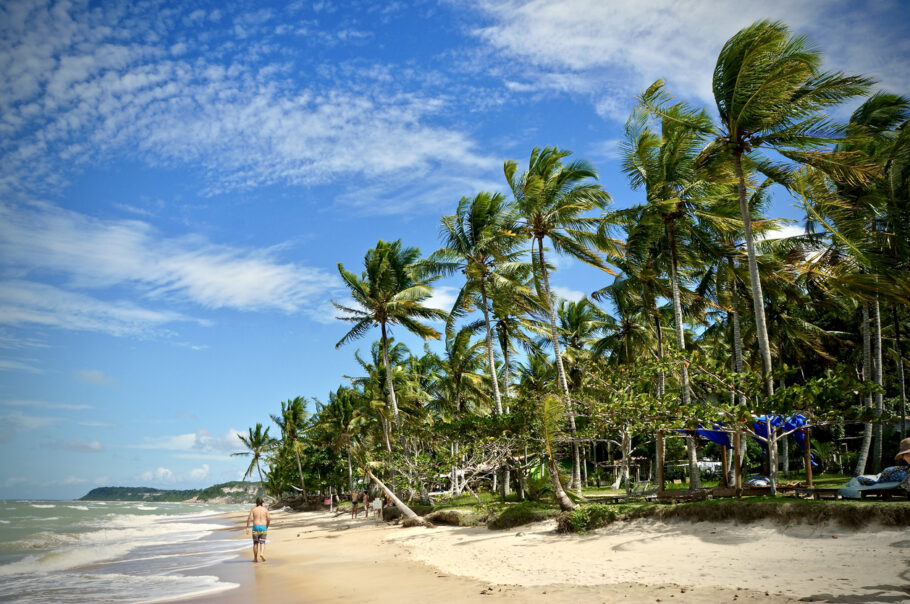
{"type": "Point", "coordinates": [299, 467]}
{"type": "Point", "coordinates": [863, 456]}
{"type": "Point", "coordinates": [565, 504]}
{"type": "Point", "coordinates": [507, 474]}
{"type": "Point", "coordinates": [877, 397]}
{"type": "Point", "coordinates": [898, 353]}
{"type": "Point", "coordinates": [491, 360]}
{"type": "Point", "coordinates": [737, 330]}
{"type": "Point", "coordinates": [260, 473]}
{"type": "Point", "coordinates": [554, 337]}
{"type": "Point", "coordinates": [758, 303]}
{"type": "Point", "coordinates": [694, 476]}
{"type": "Point", "coordinates": [661, 378]}
{"type": "Point", "coordinates": [402, 506]}
{"type": "Point", "coordinates": [391, 387]}
{"type": "Point", "coordinates": [350, 474]}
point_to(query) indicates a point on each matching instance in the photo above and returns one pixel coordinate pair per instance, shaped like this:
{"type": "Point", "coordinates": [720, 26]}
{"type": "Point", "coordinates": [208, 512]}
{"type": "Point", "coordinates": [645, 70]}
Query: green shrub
{"type": "Point", "coordinates": [585, 518]}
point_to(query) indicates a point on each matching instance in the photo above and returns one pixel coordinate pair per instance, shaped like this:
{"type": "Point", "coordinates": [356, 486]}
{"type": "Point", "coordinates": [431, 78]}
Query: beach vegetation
{"type": "Point", "coordinates": [701, 326]}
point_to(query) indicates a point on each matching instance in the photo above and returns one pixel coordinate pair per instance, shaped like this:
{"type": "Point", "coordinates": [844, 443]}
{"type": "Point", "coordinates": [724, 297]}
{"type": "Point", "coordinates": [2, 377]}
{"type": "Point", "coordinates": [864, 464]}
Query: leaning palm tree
{"type": "Point", "coordinates": [388, 292]}
{"type": "Point", "coordinates": [553, 202]}
{"type": "Point", "coordinates": [258, 443]}
{"type": "Point", "coordinates": [480, 241]}
{"type": "Point", "coordinates": [770, 93]}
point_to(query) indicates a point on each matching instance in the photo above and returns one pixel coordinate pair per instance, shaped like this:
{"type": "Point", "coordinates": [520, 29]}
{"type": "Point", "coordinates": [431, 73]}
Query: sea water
{"type": "Point", "coordinates": [93, 551]}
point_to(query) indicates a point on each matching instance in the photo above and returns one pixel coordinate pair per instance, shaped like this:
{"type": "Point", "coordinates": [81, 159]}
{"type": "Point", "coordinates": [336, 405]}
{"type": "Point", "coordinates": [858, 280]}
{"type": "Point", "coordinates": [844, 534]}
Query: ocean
{"type": "Point", "coordinates": [92, 551]}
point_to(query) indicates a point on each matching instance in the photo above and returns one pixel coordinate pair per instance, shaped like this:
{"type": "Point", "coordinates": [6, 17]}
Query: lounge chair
{"type": "Point", "coordinates": [856, 490]}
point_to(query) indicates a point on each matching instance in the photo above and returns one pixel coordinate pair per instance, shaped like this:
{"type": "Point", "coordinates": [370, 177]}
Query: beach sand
{"type": "Point", "coordinates": [318, 557]}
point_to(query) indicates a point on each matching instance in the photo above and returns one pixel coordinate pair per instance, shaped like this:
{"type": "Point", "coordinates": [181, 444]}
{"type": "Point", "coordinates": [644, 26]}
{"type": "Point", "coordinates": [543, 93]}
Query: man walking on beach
{"type": "Point", "coordinates": [261, 520]}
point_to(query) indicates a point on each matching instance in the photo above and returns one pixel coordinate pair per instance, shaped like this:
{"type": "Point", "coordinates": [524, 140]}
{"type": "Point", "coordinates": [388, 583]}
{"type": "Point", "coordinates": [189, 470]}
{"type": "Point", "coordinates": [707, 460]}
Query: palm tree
{"type": "Point", "coordinates": [479, 241]}
{"type": "Point", "coordinates": [769, 93]}
{"type": "Point", "coordinates": [388, 292]}
{"type": "Point", "coordinates": [258, 443]}
{"type": "Point", "coordinates": [292, 422]}
{"type": "Point", "coordinates": [552, 201]}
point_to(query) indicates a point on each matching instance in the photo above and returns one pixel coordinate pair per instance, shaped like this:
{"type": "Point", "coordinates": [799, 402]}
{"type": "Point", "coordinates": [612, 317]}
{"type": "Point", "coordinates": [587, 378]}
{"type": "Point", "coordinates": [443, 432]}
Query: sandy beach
{"type": "Point", "coordinates": [318, 557]}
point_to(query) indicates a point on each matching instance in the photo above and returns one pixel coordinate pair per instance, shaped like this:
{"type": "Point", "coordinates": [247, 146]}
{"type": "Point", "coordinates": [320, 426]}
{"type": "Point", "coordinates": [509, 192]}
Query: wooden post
{"type": "Point", "coordinates": [808, 457]}
{"type": "Point", "coordinates": [723, 466]}
{"type": "Point", "coordinates": [660, 461]}
{"type": "Point", "coordinates": [737, 469]}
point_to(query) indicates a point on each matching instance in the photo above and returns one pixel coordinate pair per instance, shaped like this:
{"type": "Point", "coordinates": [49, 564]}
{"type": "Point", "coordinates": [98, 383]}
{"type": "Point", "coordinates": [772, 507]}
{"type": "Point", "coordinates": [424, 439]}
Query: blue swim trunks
{"type": "Point", "coordinates": [259, 533]}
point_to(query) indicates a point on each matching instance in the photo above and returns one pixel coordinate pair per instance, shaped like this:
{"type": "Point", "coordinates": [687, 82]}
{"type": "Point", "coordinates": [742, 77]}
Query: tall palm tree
{"type": "Point", "coordinates": [388, 292]}
{"type": "Point", "coordinates": [257, 443]}
{"type": "Point", "coordinates": [293, 422]}
{"type": "Point", "coordinates": [480, 241]}
{"type": "Point", "coordinates": [553, 202]}
{"type": "Point", "coordinates": [770, 92]}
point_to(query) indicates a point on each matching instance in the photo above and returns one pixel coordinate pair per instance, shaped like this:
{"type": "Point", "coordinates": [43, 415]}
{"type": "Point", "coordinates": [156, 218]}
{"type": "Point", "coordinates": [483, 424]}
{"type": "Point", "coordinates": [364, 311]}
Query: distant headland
{"type": "Point", "coordinates": [226, 492]}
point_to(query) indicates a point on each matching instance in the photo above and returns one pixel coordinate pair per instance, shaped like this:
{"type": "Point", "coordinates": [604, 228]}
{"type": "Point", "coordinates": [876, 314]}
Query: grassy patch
{"type": "Point", "coordinates": [519, 514]}
{"type": "Point", "coordinates": [851, 514]}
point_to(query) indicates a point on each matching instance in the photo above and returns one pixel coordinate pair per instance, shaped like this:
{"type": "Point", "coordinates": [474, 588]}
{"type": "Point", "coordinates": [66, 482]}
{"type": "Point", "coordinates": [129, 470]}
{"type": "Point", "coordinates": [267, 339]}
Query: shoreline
{"type": "Point", "coordinates": [320, 557]}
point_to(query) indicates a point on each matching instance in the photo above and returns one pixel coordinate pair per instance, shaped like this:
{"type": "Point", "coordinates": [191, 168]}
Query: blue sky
{"type": "Point", "coordinates": [178, 182]}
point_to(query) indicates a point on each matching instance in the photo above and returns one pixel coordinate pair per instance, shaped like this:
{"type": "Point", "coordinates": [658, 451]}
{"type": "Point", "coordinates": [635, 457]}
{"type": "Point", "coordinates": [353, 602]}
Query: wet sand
{"type": "Point", "coordinates": [318, 557]}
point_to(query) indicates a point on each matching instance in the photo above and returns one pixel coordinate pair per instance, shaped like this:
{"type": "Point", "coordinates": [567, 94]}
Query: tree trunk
{"type": "Point", "coordinates": [898, 350]}
{"type": "Point", "coordinates": [350, 474]}
{"type": "Point", "coordinates": [694, 477]}
{"type": "Point", "coordinates": [299, 467]}
{"type": "Point", "coordinates": [877, 397]}
{"type": "Point", "coordinates": [554, 337]}
{"type": "Point", "coordinates": [624, 468]}
{"type": "Point", "coordinates": [758, 301]}
{"type": "Point", "coordinates": [491, 359]}
{"type": "Point", "coordinates": [402, 506]}
{"type": "Point", "coordinates": [772, 455]}
{"type": "Point", "coordinates": [661, 378]}
{"type": "Point", "coordinates": [260, 473]}
{"type": "Point", "coordinates": [737, 331]}
{"type": "Point", "coordinates": [565, 504]}
{"type": "Point", "coordinates": [867, 374]}
{"type": "Point", "coordinates": [694, 474]}
{"type": "Point", "coordinates": [390, 387]}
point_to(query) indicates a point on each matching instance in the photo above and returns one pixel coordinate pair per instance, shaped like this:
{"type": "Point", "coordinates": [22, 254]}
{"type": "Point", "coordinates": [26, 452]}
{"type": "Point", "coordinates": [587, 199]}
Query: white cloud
{"type": "Point", "coordinates": [573, 295]}
{"type": "Point", "coordinates": [102, 480]}
{"type": "Point", "coordinates": [160, 474]}
{"type": "Point", "coordinates": [95, 255]}
{"type": "Point", "coordinates": [787, 230]}
{"type": "Point", "coordinates": [202, 441]}
{"type": "Point", "coordinates": [611, 50]}
{"type": "Point", "coordinates": [14, 480]}
{"type": "Point", "coordinates": [94, 376]}
{"type": "Point", "coordinates": [442, 299]}
{"type": "Point", "coordinates": [199, 473]}
{"type": "Point", "coordinates": [87, 85]}
{"type": "Point", "coordinates": [71, 480]}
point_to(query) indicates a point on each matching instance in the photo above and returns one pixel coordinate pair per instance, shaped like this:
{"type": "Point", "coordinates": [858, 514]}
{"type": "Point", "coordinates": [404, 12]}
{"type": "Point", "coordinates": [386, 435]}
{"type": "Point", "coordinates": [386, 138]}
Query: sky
{"type": "Point", "coordinates": [178, 183]}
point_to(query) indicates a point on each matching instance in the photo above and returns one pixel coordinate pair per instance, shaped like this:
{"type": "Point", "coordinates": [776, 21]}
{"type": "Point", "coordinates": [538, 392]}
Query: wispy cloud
{"type": "Point", "coordinates": [94, 255]}
{"type": "Point", "coordinates": [162, 475]}
{"type": "Point", "coordinates": [612, 50]}
{"type": "Point", "coordinates": [95, 376]}
{"type": "Point", "coordinates": [75, 445]}
{"type": "Point", "coordinates": [45, 405]}
{"type": "Point", "coordinates": [8, 365]}
{"type": "Point", "coordinates": [168, 89]}
{"type": "Point", "coordinates": [13, 422]}
{"type": "Point", "coordinates": [202, 441]}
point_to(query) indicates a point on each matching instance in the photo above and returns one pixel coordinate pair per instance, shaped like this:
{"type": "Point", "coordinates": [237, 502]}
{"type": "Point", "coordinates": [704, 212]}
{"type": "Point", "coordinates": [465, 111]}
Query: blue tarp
{"type": "Point", "coordinates": [794, 422]}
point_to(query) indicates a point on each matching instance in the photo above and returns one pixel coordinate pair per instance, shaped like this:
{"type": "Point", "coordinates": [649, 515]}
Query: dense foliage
{"type": "Point", "coordinates": [702, 318]}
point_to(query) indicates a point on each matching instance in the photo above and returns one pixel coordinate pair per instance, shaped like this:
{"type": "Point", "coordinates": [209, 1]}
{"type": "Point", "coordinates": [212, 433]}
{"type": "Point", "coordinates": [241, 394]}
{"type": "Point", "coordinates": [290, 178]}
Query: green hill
{"type": "Point", "coordinates": [226, 492]}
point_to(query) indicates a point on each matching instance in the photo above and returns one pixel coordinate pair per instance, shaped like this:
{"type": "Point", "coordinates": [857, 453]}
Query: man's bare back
{"type": "Point", "coordinates": [259, 515]}
{"type": "Point", "coordinates": [260, 519]}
